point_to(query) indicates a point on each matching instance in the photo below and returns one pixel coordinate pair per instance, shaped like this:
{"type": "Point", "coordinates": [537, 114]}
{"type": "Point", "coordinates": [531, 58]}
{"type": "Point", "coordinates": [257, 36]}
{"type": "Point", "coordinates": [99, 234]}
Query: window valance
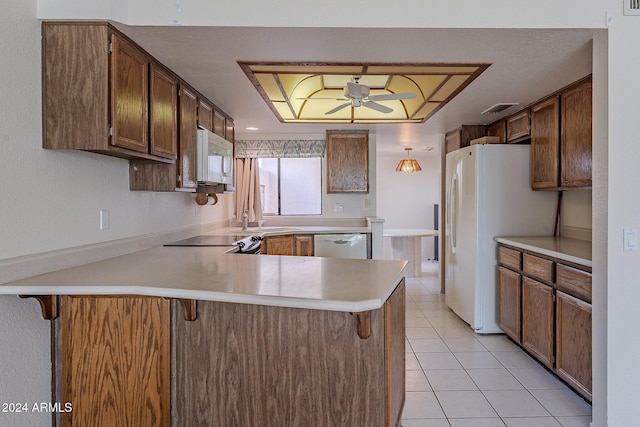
{"type": "Point", "coordinates": [279, 148]}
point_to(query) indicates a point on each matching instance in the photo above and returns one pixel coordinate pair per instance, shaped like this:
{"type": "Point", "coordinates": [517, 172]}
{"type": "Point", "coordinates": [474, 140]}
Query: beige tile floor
{"type": "Point", "coordinates": [456, 378]}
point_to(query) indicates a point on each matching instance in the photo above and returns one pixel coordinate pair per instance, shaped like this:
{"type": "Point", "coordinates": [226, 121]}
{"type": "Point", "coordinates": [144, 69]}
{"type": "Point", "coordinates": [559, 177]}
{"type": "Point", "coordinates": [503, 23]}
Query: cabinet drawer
{"type": "Point", "coordinates": [540, 268]}
{"type": "Point", "coordinates": [574, 282]}
{"type": "Point", "coordinates": [510, 257]}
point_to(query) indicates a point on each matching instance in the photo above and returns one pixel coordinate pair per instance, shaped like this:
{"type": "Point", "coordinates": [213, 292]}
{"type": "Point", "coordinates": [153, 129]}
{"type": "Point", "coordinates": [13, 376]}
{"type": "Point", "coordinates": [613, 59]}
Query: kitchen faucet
{"type": "Point", "coordinates": [245, 220]}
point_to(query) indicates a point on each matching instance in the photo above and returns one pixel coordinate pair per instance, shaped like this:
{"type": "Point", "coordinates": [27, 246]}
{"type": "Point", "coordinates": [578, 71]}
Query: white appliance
{"type": "Point", "coordinates": [488, 194]}
{"type": "Point", "coordinates": [215, 159]}
{"type": "Point", "coordinates": [340, 245]}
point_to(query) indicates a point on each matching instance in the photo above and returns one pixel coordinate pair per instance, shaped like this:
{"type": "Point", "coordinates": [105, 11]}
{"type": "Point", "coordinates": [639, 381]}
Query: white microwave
{"type": "Point", "coordinates": [215, 159]}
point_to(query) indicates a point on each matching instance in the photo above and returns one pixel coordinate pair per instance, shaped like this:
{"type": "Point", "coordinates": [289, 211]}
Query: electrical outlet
{"type": "Point", "coordinates": [338, 207]}
{"type": "Point", "coordinates": [104, 220]}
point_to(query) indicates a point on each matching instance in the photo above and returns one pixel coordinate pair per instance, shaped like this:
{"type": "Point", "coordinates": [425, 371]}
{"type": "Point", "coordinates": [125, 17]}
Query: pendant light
{"type": "Point", "coordinates": [408, 165]}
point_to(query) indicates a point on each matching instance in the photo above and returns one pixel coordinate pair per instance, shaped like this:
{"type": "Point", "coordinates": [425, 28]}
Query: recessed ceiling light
{"type": "Point", "coordinates": [251, 128]}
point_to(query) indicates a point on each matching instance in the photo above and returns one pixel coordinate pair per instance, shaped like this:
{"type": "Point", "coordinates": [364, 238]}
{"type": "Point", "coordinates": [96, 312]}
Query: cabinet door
{"type": "Point", "coordinates": [575, 158]}
{"type": "Point", "coordinates": [229, 133]}
{"type": "Point", "coordinates": [394, 341]}
{"type": "Point", "coordinates": [279, 245]}
{"type": "Point", "coordinates": [573, 342]}
{"type": "Point", "coordinates": [545, 144]}
{"type": "Point", "coordinates": [164, 113]}
{"type": "Point", "coordinates": [218, 123]}
{"type": "Point", "coordinates": [129, 96]}
{"type": "Point", "coordinates": [205, 114]}
{"type": "Point", "coordinates": [498, 129]}
{"type": "Point", "coordinates": [112, 360]}
{"type": "Point", "coordinates": [303, 245]}
{"type": "Point", "coordinates": [518, 126]}
{"type": "Point", "coordinates": [509, 302]}
{"type": "Point", "coordinates": [348, 162]}
{"type": "Point", "coordinates": [537, 320]}
{"type": "Point", "coordinates": [187, 162]}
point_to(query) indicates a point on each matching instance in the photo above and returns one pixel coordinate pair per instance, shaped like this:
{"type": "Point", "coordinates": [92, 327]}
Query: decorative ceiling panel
{"type": "Point", "coordinates": [358, 93]}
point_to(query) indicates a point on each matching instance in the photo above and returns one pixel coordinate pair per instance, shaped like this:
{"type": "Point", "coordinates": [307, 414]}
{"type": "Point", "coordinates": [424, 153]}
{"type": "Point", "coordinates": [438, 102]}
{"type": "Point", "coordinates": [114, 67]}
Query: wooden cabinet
{"type": "Point", "coordinates": [230, 130]}
{"type": "Point", "coordinates": [298, 244]}
{"type": "Point", "coordinates": [462, 136]}
{"type": "Point", "coordinates": [277, 245]}
{"type": "Point", "coordinates": [538, 320]}
{"type": "Point", "coordinates": [129, 95]}
{"type": "Point", "coordinates": [347, 162]}
{"type": "Point", "coordinates": [219, 127]}
{"type": "Point", "coordinates": [498, 129]}
{"type": "Point", "coordinates": [547, 303]}
{"type": "Point", "coordinates": [518, 126]}
{"type": "Point", "coordinates": [96, 93]}
{"type": "Point", "coordinates": [205, 114]}
{"type": "Point", "coordinates": [573, 342]}
{"type": "Point", "coordinates": [510, 303]}
{"type": "Point", "coordinates": [112, 359]}
{"type": "Point", "coordinates": [303, 244]}
{"type": "Point", "coordinates": [575, 136]}
{"type": "Point", "coordinates": [187, 161]}
{"type": "Point", "coordinates": [163, 113]}
{"type": "Point", "coordinates": [561, 152]}
{"type": "Point", "coordinates": [280, 366]}
{"type": "Point", "coordinates": [545, 147]}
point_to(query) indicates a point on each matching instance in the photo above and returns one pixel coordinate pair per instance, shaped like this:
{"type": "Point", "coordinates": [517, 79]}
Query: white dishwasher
{"type": "Point", "coordinates": [340, 245]}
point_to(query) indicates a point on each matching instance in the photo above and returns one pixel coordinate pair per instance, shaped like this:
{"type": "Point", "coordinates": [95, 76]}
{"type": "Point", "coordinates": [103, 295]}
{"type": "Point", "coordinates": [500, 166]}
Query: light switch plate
{"type": "Point", "coordinates": [104, 220]}
{"type": "Point", "coordinates": [630, 239]}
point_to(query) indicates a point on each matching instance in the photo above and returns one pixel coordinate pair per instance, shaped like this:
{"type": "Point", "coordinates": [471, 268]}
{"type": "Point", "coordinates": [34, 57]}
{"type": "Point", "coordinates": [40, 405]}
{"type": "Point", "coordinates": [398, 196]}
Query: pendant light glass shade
{"type": "Point", "coordinates": [408, 166]}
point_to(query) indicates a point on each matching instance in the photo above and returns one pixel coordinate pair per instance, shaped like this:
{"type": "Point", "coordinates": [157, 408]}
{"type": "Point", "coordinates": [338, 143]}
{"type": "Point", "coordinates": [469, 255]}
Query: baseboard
{"type": "Point", "coordinates": [17, 268]}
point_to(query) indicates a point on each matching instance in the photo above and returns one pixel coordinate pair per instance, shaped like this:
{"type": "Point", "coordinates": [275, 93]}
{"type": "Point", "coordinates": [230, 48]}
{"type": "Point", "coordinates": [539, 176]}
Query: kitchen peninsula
{"type": "Point", "coordinates": [197, 336]}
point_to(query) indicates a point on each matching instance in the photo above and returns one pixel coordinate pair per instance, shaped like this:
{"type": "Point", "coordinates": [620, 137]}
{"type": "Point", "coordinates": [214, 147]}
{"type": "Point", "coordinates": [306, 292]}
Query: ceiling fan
{"type": "Point", "coordinates": [357, 95]}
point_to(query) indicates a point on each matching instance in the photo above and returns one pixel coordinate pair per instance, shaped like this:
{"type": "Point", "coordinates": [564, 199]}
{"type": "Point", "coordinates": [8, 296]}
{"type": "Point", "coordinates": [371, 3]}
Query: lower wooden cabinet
{"type": "Point", "coordinates": [277, 245]}
{"type": "Point", "coordinates": [573, 342]}
{"type": "Point", "coordinates": [545, 306]}
{"type": "Point", "coordinates": [510, 303]}
{"type": "Point", "coordinates": [538, 320]}
{"type": "Point", "coordinates": [112, 361]}
{"type": "Point", "coordinates": [298, 244]}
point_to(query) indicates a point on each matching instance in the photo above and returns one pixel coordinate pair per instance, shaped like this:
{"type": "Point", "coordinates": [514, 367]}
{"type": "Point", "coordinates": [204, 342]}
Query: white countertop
{"type": "Point", "coordinates": [275, 231]}
{"type": "Point", "coordinates": [208, 273]}
{"type": "Point", "coordinates": [409, 232]}
{"type": "Point", "coordinates": [571, 250]}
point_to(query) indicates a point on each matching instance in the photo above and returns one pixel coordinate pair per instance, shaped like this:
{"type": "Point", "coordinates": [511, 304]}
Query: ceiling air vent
{"type": "Point", "coordinates": [501, 106]}
{"type": "Point", "coordinates": [632, 7]}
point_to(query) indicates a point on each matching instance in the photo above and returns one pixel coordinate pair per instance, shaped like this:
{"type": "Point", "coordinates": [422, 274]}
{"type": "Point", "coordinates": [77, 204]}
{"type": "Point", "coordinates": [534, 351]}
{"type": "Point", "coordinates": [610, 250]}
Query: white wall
{"type": "Point", "coordinates": [406, 201]}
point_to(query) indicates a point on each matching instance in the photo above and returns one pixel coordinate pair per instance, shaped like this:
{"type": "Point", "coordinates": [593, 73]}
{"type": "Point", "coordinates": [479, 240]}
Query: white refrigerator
{"type": "Point", "coordinates": [488, 194]}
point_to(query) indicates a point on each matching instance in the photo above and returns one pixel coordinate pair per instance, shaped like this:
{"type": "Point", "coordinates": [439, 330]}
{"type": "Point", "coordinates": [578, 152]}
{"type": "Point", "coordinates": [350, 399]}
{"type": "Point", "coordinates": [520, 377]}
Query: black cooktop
{"type": "Point", "coordinates": [206, 241]}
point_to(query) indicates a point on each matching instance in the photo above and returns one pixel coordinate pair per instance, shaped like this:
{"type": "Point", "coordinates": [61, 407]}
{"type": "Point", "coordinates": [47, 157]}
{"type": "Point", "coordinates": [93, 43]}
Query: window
{"type": "Point", "coordinates": [291, 186]}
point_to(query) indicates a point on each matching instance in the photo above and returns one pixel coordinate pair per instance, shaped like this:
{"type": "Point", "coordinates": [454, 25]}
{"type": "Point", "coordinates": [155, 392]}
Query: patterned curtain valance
{"type": "Point", "coordinates": [279, 148]}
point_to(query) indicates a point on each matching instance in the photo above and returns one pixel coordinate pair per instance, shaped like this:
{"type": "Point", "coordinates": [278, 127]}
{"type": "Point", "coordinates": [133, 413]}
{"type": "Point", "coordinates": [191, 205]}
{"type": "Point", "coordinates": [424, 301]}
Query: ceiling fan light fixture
{"type": "Point", "coordinates": [408, 166]}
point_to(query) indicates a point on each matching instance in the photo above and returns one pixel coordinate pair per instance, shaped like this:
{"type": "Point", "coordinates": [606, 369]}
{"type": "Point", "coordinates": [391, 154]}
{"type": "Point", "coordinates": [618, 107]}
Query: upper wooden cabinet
{"type": "Point", "coordinates": [462, 136]}
{"type": "Point", "coordinates": [230, 130]}
{"type": "Point", "coordinates": [518, 126]}
{"type": "Point", "coordinates": [545, 147]}
{"type": "Point", "coordinates": [96, 93]}
{"type": "Point", "coordinates": [498, 129]}
{"type": "Point", "coordinates": [187, 167]}
{"type": "Point", "coordinates": [205, 114]}
{"type": "Point", "coordinates": [561, 150]}
{"type": "Point", "coordinates": [164, 113]}
{"type": "Point", "coordinates": [347, 162]}
{"type": "Point", "coordinates": [575, 136]}
{"type": "Point", "coordinates": [219, 127]}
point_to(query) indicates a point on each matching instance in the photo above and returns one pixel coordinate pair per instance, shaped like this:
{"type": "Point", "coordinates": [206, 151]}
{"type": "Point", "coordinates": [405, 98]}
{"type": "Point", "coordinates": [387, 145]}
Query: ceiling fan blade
{"type": "Point", "coordinates": [338, 108]}
{"type": "Point", "coordinates": [318, 97]}
{"type": "Point", "coordinates": [377, 107]}
{"type": "Point", "coordinates": [392, 96]}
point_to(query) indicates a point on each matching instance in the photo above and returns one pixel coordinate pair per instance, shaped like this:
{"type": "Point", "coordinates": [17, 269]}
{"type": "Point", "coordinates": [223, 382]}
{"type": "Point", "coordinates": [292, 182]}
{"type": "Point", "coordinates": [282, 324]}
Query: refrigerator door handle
{"type": "Point", "coordinates": [453, 194]}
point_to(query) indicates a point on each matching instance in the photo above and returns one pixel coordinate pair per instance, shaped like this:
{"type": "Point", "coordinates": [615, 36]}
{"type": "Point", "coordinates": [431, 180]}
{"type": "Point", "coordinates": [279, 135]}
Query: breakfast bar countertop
{"type": "Point", "coordinates": [210, 273]}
